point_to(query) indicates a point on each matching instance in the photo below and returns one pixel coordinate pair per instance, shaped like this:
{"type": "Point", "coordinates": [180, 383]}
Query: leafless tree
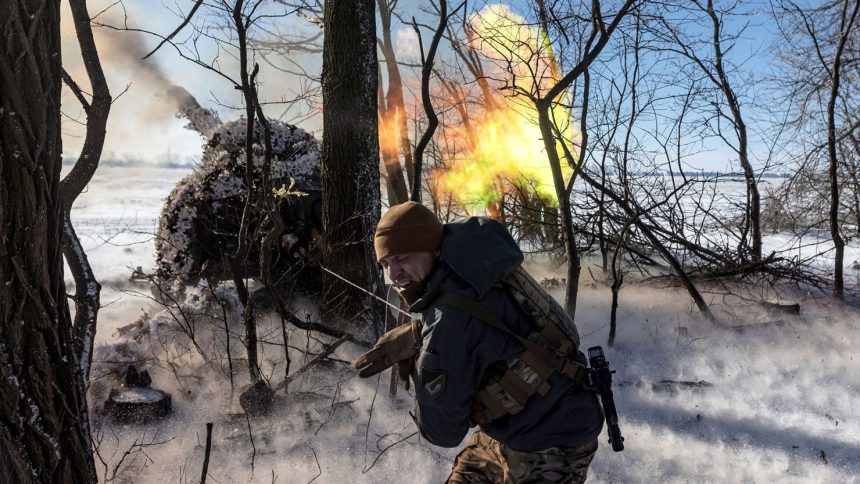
{"type": "Point", "coordinates": [709, 56]}
{"type": "Point", "coordinates": [427, 62]}
{"type": "Point", "coordinates": [393, 118]}
{"type": "Point", "coordinates": [815, 69]}
{"type": "Point", "coordinates": [545, 99]}
{"type": "Point", "coordinates": [350, 161]}
{"type": "Point", "coordinates": [43, 435]}
{"type": "Point", "coordinates": [241, 16]}
{"type": "Point", "coordinates": [87, 287]}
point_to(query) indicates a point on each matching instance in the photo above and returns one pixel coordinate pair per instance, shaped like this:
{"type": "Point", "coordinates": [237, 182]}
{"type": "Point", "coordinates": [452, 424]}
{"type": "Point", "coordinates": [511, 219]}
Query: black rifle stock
{"type": "Point", "coordinates": [601, 379]}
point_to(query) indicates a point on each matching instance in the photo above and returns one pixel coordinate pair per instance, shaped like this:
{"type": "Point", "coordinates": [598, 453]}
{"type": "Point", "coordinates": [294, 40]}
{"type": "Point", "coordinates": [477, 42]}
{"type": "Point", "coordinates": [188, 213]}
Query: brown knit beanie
{"type": "Point", "coordinates": [408, 227]}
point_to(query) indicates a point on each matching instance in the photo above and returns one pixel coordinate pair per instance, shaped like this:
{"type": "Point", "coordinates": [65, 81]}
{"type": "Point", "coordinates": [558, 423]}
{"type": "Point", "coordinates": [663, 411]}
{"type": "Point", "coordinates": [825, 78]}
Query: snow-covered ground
{"type": "Point", "coordinates": [777, 403]}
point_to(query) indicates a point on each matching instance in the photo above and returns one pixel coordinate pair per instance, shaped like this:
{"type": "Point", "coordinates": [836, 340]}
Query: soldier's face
{"type": "Point", "coordinates": [405, 270]}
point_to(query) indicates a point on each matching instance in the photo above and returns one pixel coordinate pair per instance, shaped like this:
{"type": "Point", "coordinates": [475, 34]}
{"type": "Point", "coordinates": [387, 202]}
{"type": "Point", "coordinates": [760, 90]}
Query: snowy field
{"type": "Point", "coordinates": [774, 400]}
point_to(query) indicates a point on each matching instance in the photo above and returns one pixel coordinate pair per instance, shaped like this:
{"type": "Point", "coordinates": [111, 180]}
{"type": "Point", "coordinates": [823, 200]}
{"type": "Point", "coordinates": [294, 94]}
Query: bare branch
{"type": "Point", "coordinates": [173, 34]}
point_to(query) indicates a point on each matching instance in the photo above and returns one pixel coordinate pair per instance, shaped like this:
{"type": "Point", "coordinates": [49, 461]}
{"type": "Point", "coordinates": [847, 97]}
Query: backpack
{"type": "Point", "coordinates": [550, 347]}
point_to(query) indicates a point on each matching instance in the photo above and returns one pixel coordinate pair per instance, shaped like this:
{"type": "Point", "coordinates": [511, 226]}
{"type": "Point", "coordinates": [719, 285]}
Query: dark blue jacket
{"type": "Point", "coordinates": [458, 350]}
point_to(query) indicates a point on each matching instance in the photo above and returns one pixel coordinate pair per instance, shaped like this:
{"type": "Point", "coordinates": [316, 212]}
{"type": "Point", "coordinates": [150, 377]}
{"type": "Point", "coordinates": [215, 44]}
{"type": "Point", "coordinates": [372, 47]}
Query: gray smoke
{"type": "Point", "coordinates": [200, 119]}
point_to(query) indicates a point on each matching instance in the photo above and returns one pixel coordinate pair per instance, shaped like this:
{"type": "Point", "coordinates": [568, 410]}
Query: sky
{"type": "Point", "coordinates": [142, 124]}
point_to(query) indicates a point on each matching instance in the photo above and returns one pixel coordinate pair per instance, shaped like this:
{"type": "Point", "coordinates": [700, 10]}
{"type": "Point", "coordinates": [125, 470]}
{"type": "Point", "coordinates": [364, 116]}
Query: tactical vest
{"type": "Point", "coordinates": [550, 347]}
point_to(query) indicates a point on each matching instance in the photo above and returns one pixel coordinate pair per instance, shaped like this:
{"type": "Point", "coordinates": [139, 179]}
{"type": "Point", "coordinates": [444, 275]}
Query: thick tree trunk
{"type": "Point", "coordinates": [350, 159]}
{"type": "Point", "coordinates": [42, 435]}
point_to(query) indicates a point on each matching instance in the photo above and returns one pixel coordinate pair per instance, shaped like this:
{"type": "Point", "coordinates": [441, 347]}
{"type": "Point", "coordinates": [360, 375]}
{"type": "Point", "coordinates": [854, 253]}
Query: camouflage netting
{"type": "Point", "coordinates": [200, 220]}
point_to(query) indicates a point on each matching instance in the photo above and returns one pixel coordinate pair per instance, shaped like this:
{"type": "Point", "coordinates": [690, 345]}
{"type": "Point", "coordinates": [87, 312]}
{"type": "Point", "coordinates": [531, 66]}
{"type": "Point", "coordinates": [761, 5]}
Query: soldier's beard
{"type": "Point", "coordinates": [411, 293]}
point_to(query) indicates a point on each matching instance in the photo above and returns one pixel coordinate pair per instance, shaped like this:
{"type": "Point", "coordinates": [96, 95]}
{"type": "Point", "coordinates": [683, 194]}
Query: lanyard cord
{"type": "Point", "coordinates": [363, 290]}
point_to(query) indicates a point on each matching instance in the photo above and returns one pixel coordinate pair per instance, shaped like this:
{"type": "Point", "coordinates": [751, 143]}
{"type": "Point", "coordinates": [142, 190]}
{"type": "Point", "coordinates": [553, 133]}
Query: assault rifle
{"type": "Point", "coordinates": [601, 379]}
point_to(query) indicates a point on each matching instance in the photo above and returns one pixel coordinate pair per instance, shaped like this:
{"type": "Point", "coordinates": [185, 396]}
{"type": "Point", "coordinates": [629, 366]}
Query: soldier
{"type": "Point", "coordinates": [478, 358]}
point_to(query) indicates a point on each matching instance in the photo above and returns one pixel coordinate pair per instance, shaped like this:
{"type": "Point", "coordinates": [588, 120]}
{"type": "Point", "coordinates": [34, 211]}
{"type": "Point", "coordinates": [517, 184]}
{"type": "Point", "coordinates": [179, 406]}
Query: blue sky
{"type": "Point", "coordinates": [142, 124]}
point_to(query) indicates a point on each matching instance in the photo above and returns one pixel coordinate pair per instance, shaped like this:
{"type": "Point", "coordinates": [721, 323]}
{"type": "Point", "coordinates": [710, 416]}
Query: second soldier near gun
{"type": "Point", "coordinates": [475, 359]}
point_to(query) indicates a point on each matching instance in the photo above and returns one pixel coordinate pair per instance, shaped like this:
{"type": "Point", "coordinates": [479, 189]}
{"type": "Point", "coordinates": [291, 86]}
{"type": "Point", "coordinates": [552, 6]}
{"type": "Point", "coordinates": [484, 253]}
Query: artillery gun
{"type": "Point", "coordinates": [199, 225]}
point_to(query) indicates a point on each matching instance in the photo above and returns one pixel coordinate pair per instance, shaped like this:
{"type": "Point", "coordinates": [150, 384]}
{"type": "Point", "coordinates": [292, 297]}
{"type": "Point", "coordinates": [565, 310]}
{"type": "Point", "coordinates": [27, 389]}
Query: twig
{"type": "Point", "coordinates": [319, 469]}
{"type": "Point", "coordinates": [370, 417]}
{"type": "Point", "coordinates": [385, 449]}
{"type": "Point", "coordinates": [316, 359]}
{"type": "Point", "coordinates": [332, 409]}
{"type": "Point", "coordinates": [253, 447]}
{"type": "Point", "coordinates": [178, 29]}
{"type": "Point", "coordinates": [226, 329]}
{"type": "Point", "coordinates": [206, 455]}
{"type": "Point", "coordinates": [76, 90]}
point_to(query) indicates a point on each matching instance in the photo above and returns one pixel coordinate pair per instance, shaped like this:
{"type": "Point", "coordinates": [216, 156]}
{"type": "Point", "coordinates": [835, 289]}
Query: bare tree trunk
{"type": "Point", "coordinates": [838, 242]}
{"type": "Point", "coordinates": [472, 59]}
{"type": "Point", "coordinates": [432, 119]}
{"type": "Point", "coordinates": [617, 281]}
{"type": "Point", "coordinates": [454, 88]}
{"type": "Point", "coordinates": [87, 288]}
{"type": "Point", "coordinates": [855, 179]}
{"type": "Point", "coordinates": [42, 436]}
{"type": "Point", "coordinates": [601, 33]}
{"type": "Point", "coordinates": [565, 216]}
{"type": "Point", "coordinates": [753, 212]}
{"type": "Point", "coordinates": [350, 160]}
{"type": "Point", "coordinates": [394, 182]}
{"type": "Point", "coordinates": [749, 239]}
{"type": "Point", "coordinates": [237, 259]}
{"type": "Point", "coordinates": [393, 108]}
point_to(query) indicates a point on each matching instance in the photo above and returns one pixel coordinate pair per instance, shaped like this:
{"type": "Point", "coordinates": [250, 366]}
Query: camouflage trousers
{"type": "Point", "coordinates": [485, 459]}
